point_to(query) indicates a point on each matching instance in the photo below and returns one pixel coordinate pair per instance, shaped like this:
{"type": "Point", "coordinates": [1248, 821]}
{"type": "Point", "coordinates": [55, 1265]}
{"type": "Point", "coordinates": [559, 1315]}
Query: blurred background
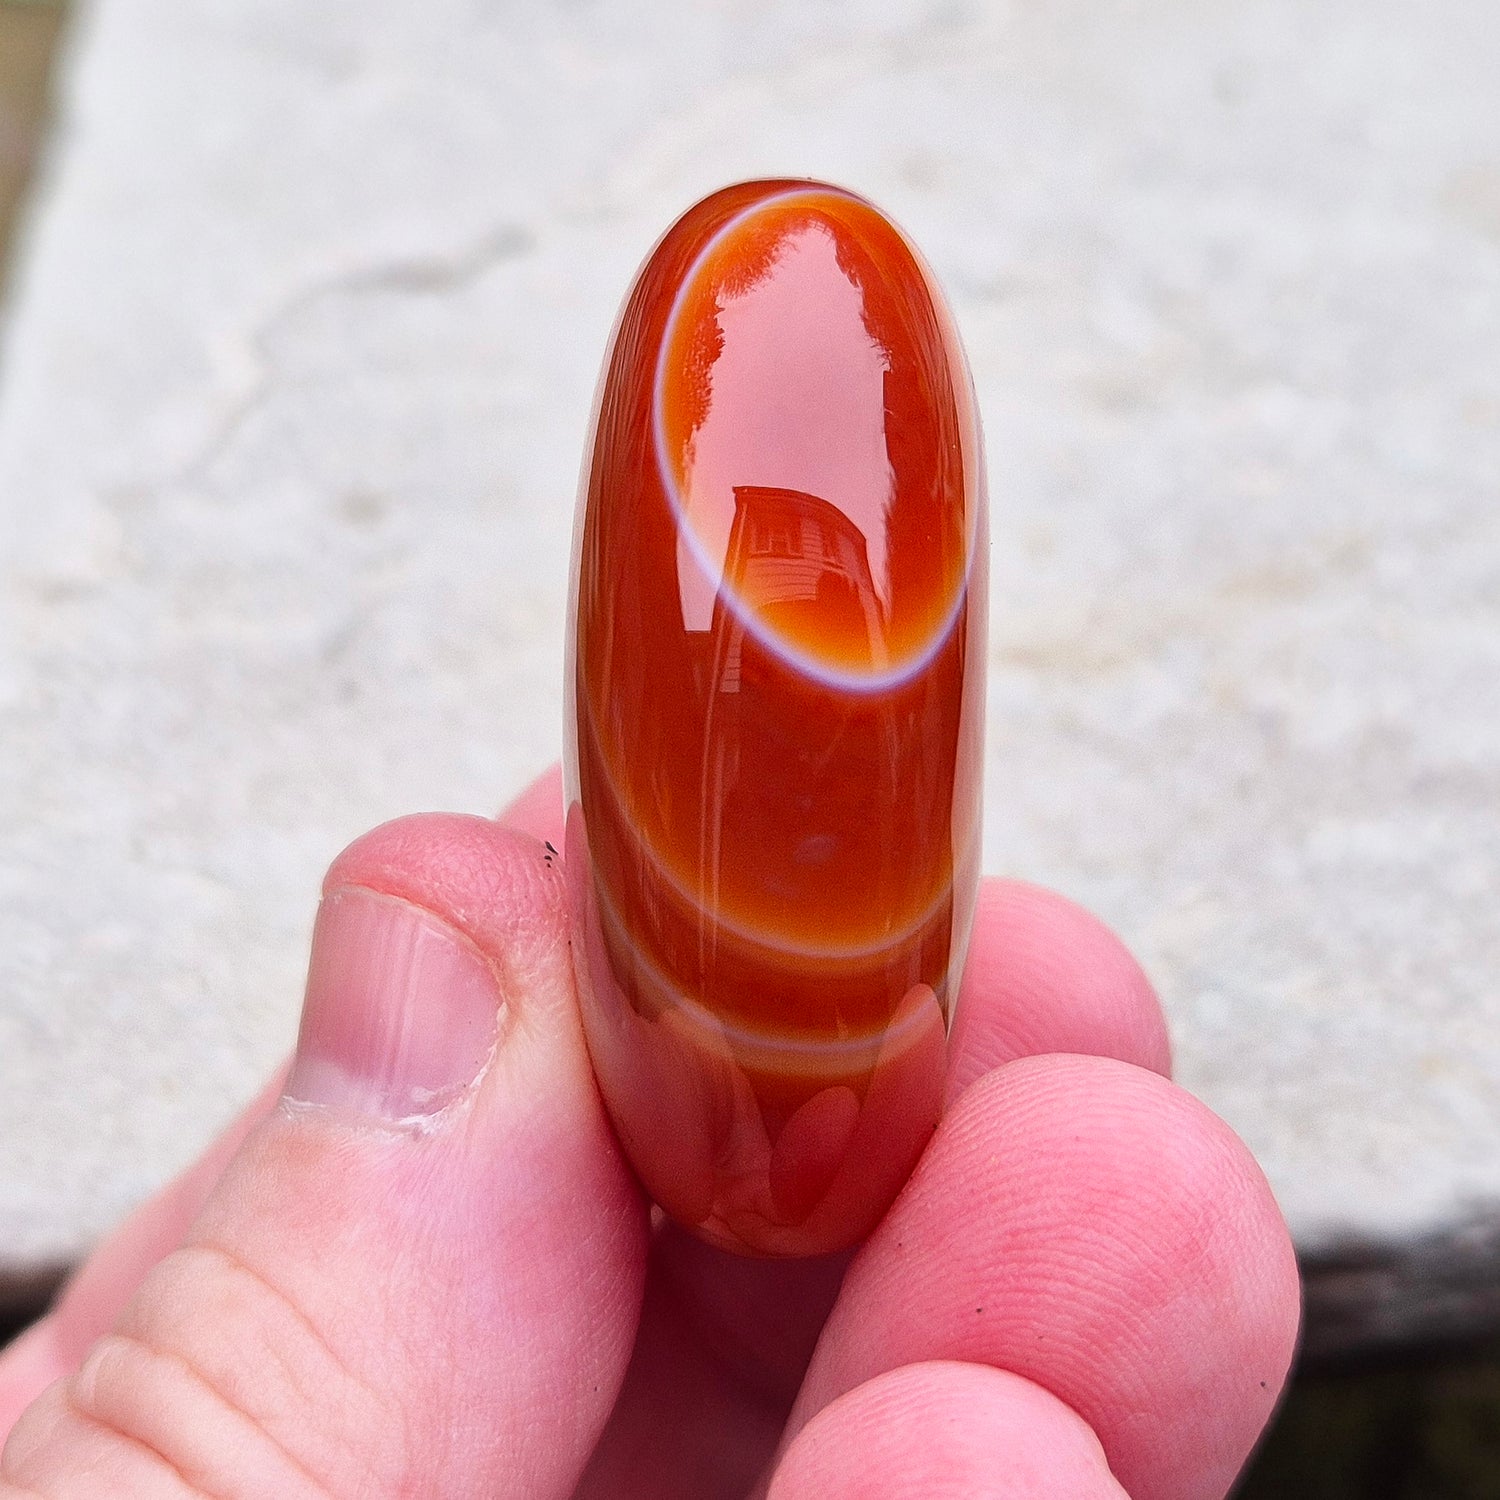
{"type": "Point", "coordinates": [300, 317]}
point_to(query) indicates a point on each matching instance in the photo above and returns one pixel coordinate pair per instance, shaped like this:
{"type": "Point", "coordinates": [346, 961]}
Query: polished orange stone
{"type": "Point", "coordinates": [776, 713]}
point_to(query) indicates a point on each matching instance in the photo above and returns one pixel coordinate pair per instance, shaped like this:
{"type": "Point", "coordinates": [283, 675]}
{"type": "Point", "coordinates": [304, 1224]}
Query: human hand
{"type": "Point", "coordinates": [390, 1279]}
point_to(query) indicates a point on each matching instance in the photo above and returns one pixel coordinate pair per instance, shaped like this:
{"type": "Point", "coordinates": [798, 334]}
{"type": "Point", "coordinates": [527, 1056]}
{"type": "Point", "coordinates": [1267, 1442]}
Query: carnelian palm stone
{"type": "Point", "coordinates": [776, 715]}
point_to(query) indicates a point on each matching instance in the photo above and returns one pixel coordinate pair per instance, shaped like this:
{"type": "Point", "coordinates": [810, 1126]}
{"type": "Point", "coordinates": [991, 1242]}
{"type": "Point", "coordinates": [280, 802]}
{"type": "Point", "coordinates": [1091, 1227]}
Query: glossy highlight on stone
{"type": "Point", "coordinates": [775, 720]}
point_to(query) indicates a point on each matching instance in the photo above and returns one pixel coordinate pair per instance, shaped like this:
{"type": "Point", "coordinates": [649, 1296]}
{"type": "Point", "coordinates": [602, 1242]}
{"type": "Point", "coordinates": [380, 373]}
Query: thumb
{"type": "Point", "coordinates": [422, 1272]}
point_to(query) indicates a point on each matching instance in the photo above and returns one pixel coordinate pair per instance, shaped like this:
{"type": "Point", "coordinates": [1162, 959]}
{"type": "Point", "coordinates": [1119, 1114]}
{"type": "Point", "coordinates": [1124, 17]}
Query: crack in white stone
{"type": "Point", "coordinates": [413, 276]}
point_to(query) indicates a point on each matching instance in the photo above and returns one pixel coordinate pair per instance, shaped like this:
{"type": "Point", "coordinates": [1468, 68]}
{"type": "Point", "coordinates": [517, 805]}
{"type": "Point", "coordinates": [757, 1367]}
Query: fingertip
{"type": "Point", "coordinates": [499, 886]}
{"type": "Point", "coordinates": [1092, 1227]}
{"type": "Point", "coordinates": [1124, 1186]}
{"type": "Point", "coordinates": [1044, 975]}
{"type": "Point", "coordinates": [538, 810]}
{"type": "Point", "coordinates": [945, 1430]}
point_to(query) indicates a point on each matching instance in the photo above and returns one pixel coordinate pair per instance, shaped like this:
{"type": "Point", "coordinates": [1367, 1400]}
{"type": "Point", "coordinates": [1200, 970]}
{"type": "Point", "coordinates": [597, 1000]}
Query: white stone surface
{"type": "Point", "coordinates": [294, 385]}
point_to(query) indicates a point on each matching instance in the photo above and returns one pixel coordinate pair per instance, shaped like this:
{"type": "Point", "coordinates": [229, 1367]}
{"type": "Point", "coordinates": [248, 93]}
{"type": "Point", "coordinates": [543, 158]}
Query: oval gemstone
{"type": "Point", "coordinates": [776, 701]}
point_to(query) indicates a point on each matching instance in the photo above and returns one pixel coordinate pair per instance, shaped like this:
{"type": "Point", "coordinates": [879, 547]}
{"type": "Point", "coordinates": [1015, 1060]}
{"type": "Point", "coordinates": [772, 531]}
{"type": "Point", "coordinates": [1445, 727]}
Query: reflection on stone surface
{"type": "Point", "coordinates": [802, 566]}
{"type": "Point", "coordinates": [776, 715]}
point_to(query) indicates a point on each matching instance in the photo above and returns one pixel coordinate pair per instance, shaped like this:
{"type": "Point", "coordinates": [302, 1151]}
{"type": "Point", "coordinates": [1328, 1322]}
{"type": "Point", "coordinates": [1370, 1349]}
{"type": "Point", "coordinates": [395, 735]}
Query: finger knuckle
{"type": "Point", "coordinates": [219, 1334]}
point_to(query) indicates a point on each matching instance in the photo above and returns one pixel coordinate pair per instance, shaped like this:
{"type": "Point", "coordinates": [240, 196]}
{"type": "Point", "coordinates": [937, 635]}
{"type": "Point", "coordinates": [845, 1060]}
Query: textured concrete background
{"type": "Point", "coordinates": [294, 383]}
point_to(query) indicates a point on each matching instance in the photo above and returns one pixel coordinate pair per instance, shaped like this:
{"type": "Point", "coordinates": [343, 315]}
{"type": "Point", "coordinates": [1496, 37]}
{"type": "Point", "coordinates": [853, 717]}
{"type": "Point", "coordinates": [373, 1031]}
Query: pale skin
{"type": "Point", "coordinates": [1086, 1289]}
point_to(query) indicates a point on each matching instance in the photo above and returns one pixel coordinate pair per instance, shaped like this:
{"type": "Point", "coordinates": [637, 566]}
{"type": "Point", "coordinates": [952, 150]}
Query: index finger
{"type": "Point", "coordinates": [1095, 1230]}
{"type": "Point", "coordinates": [538, 809]}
